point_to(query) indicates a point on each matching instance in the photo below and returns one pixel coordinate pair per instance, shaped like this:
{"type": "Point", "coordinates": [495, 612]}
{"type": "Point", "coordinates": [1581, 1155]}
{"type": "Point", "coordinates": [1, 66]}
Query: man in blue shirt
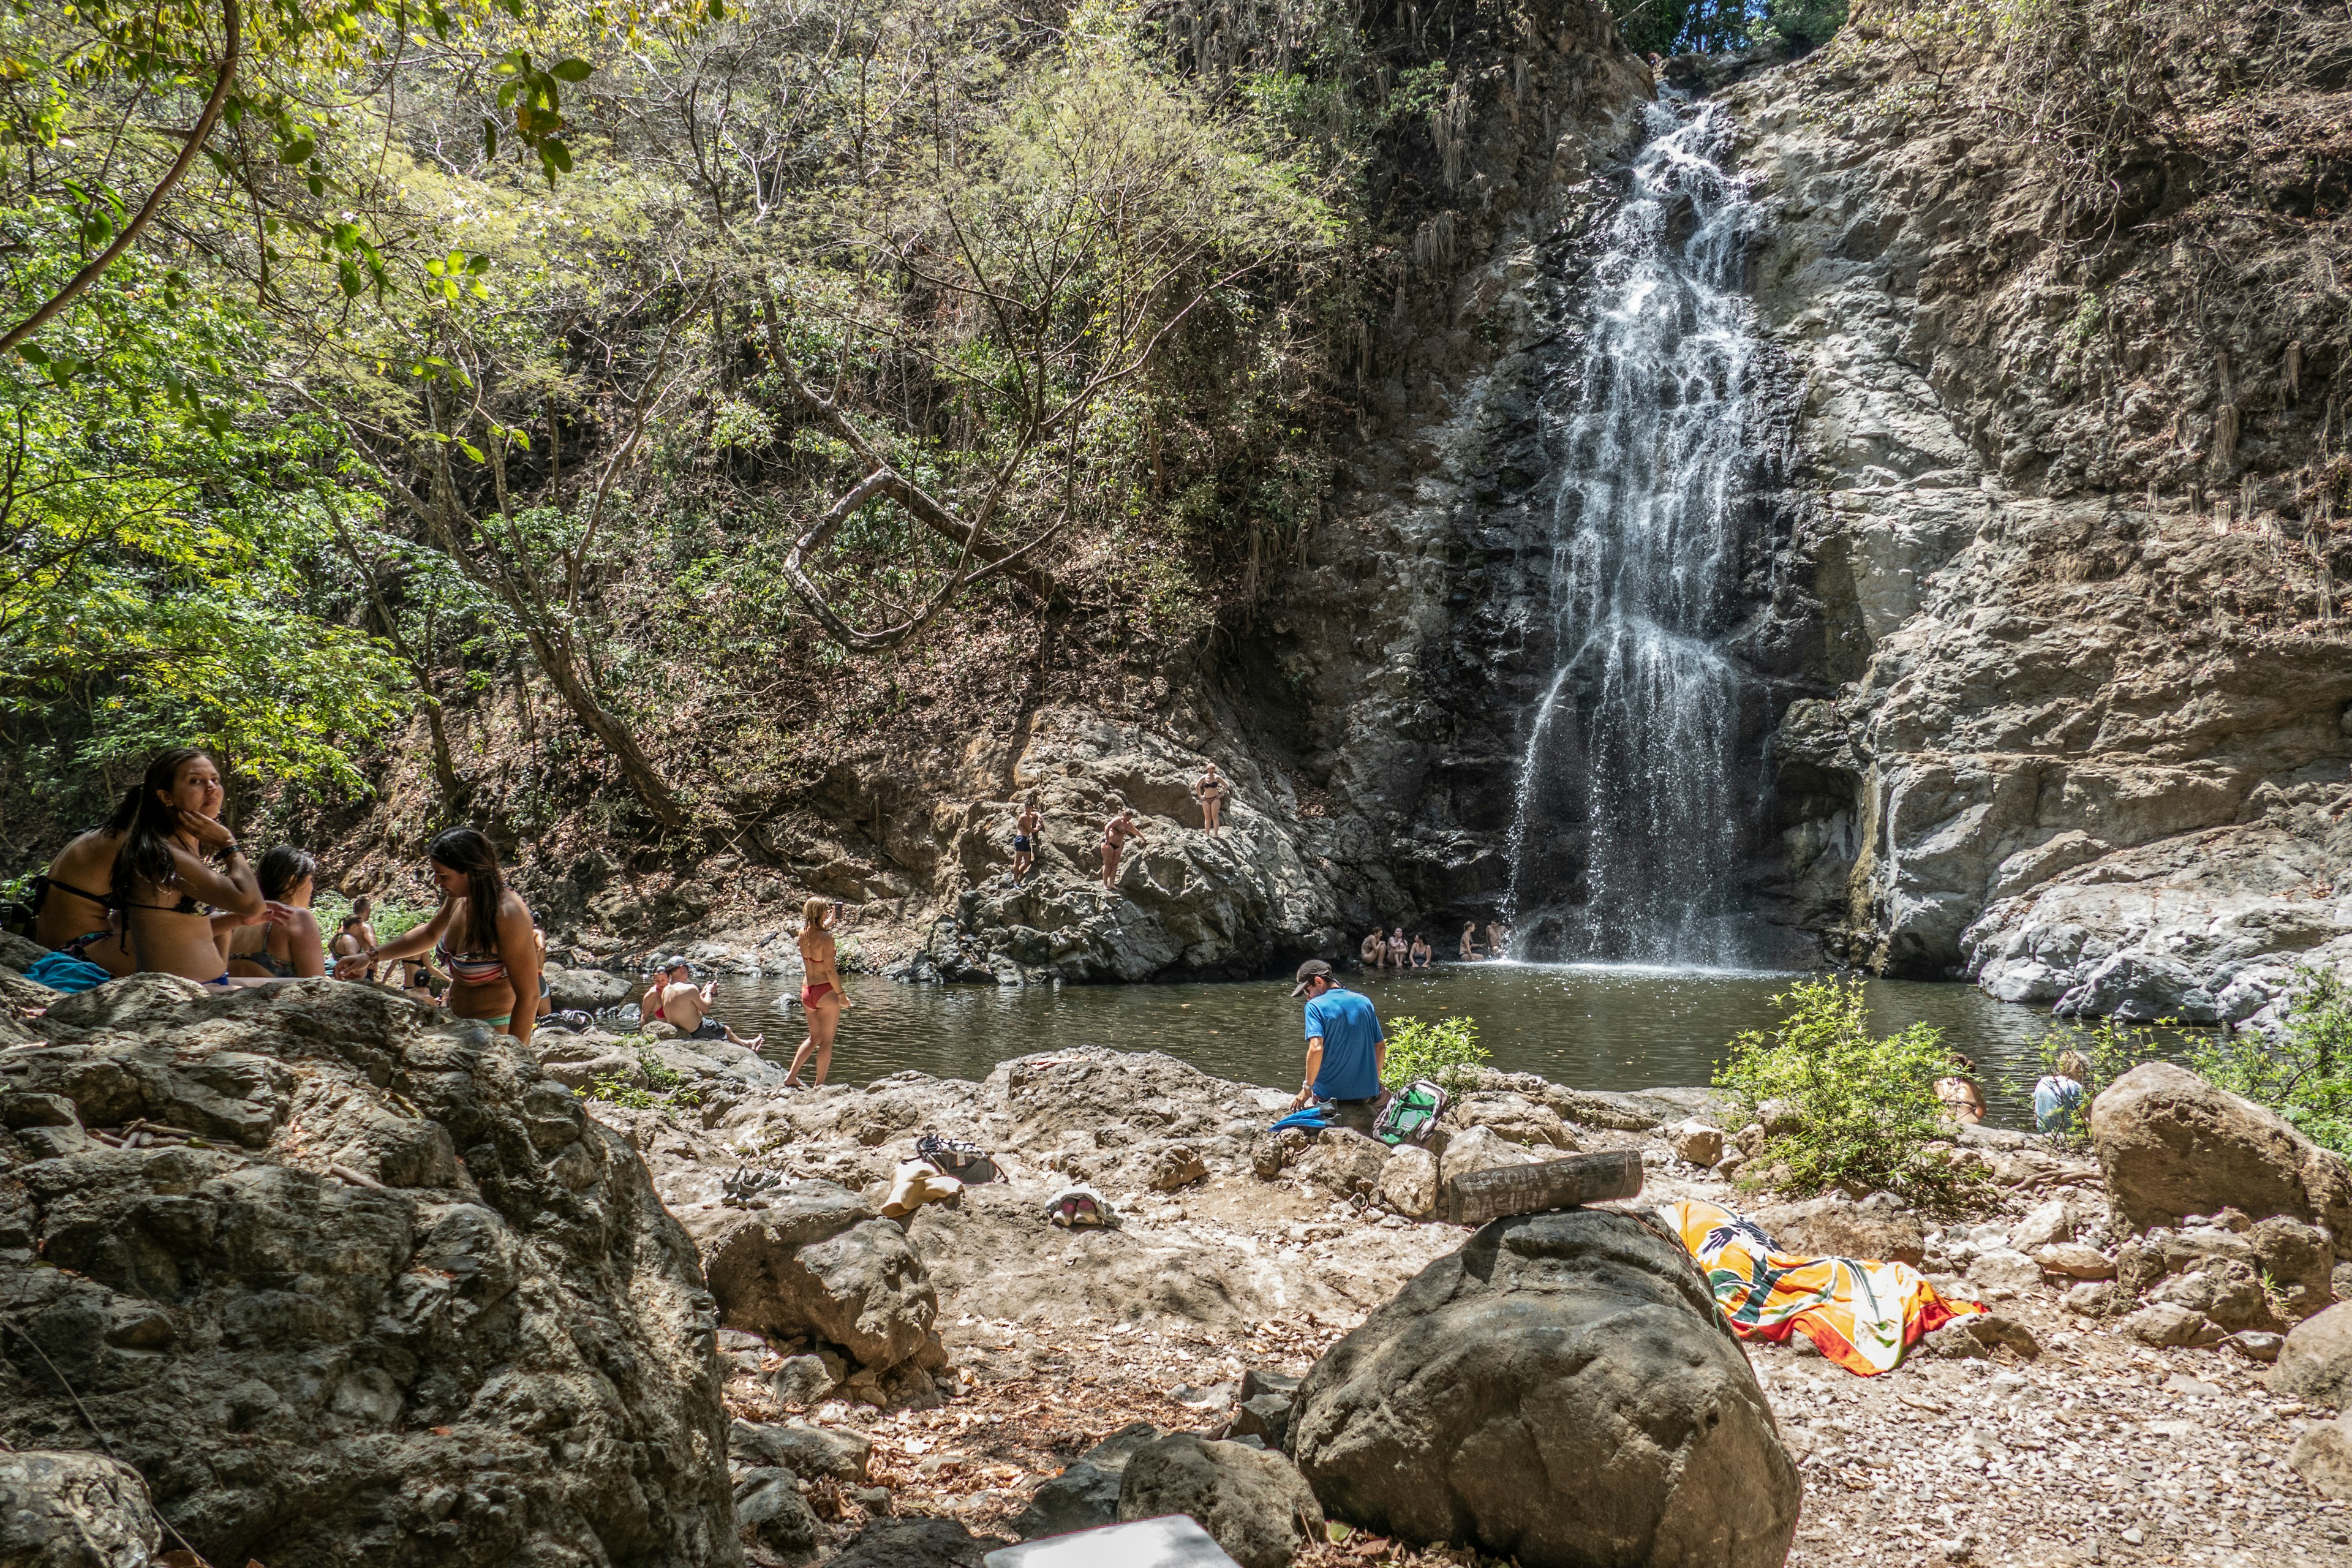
{"type": "Point", "coordinates": [1345, 1049]}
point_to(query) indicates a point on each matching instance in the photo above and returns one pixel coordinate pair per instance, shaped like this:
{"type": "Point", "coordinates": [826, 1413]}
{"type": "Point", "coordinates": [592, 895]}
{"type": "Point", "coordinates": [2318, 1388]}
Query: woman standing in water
{"type": "Point", "coordinates": [821, 997]}
{"type": "Point", "coordinates": [176, 858]}
{"type": "Point", "coordinates": [497, 966]}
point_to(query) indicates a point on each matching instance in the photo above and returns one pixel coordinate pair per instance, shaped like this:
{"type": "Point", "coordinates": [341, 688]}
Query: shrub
{"type": "Point", "coordinates": [2305, 1073]}
{"type": "Point", "coordinates": [2110, 1049]}
{"type": "Point", "coordinates": [1862, 1109]}
{"type": "Point", "coordinates": [1446, 1052]}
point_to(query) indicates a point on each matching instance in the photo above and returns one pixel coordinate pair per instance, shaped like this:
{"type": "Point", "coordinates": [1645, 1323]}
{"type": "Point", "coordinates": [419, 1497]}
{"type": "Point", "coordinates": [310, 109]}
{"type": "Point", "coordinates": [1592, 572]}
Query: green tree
{"type": "Point", "coordinates": [2304, 1072]}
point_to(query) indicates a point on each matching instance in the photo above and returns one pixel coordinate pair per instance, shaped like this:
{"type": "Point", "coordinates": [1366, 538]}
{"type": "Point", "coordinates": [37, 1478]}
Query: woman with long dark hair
{"type": "Point", "coordinates": [481, 938]}
{"type": "Point", "coordinates": [283, 945]}
{"type": "Point", "coordinates": [176, 858]}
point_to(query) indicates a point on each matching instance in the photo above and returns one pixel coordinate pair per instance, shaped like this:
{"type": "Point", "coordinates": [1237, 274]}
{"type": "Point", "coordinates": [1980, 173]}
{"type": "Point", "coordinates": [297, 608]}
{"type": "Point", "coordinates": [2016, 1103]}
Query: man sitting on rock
{"type": "Point", "coordinates": [675, 999]}
{"type": "Point", "coordinates": [1344, 1049]}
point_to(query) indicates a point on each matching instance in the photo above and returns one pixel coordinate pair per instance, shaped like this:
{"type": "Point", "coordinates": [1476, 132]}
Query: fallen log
{"type": "Point", "coordinates": [1477, 1196]}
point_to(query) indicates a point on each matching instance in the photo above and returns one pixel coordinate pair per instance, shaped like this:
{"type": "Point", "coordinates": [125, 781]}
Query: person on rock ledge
{"type": "Point", "coordinates": [1421, 951]}
{"type": "Point", "coordinates": [1212, 793]}
{"type": "Point", "coordinates": [1345, 1050]}
{"type": "Point", "coordinates": [1116, 832]}
{"type": "Point", "coordinates": [1374, 952]}
{"type": "Point", "coordinates": [1027, 820]}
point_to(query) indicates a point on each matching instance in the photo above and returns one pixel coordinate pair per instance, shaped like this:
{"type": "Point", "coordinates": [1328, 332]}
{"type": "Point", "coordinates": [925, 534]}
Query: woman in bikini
{"type": "Point", "coordinates": [482, 937]}
{"type": "Point", "coordinates": [1471, 952]}
{"type": "Point", "coordinates": [283, 944]}
{"type": "Point", "coordinates": [1211, 791]}
{"type": "Point", "coordinates": [176, 858]}
{"type": "Point", "coordinates": [821, 996]}
{"type": "Point", "coordinates": [69, 902]}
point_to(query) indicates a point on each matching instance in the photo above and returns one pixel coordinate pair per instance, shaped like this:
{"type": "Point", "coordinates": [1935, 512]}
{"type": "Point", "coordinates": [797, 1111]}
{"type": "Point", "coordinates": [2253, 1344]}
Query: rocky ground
{"type": "Point", "coordinates": [320, 1263]}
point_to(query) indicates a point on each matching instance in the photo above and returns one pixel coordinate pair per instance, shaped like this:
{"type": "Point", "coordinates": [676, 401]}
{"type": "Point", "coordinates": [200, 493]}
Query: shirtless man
{"type": "Point", "coordinates": [1027, 820]}
{"type": "Point", "coordinates": [1211, 791]}
{"type": "Point", "coordinates": [1116, 832]}
{"type": "Point", "coordinates": [684, 1006]}
{"type": "Point", "coordinates": [1498, 940]}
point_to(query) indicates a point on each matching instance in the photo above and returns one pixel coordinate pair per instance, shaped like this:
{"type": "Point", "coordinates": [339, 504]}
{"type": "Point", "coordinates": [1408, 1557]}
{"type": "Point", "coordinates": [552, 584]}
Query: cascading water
{"type": "Point", "coordinates": [1631, 820]}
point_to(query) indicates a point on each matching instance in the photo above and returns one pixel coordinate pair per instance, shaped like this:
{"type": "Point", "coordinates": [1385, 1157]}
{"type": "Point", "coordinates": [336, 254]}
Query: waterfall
{"type": "Point", "coordinates": [1631, 818]}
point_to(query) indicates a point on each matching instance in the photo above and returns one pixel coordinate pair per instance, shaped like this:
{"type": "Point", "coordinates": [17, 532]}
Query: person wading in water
{"type": "Point", "coordinates": [821, 995]}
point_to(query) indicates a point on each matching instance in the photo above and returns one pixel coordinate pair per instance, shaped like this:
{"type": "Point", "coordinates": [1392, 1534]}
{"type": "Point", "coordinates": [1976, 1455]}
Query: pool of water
{"type": "Point", "coordinates": [1593, 1027]}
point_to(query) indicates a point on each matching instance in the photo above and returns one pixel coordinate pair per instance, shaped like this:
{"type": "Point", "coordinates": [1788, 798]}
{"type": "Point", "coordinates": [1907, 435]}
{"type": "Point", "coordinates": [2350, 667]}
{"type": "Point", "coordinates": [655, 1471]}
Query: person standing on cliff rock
{"type": "Point", "coordinates": [1116, 832]}
{"type": "Point", "coordinates": [1026, 822]}
{"type": "Point", "coordinates": [1346, 1048]}
{"type": "Point", "coordinates": [1212, 793]}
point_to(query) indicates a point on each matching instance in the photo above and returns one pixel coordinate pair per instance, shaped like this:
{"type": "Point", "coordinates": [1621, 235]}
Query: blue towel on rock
{"type": "Point", "coordinates": [61, 972]}
{"type": "Point", "coordinates": [1307, 1118]}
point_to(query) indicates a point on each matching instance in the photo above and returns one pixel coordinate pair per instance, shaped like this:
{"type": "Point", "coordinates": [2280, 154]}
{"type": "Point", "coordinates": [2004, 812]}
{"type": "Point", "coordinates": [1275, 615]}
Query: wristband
{"type": "Point", "coordinates": [225, 851]}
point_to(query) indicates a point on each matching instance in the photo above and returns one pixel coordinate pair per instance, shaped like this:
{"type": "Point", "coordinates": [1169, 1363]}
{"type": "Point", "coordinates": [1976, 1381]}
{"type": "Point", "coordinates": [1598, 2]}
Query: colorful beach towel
{"type": "Point", "coordinates": [1860, 1314]}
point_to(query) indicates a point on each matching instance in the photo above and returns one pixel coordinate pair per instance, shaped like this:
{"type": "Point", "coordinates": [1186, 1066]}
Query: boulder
{"type": "Point", "coordinates": [818, 1263]}
{"type": "Point", "coordinates": [584, 989]}
{"type": "Point", "coordinates": [1698, 1143]}
{"type": "Point", "coordinates": [2004, 1273]}
{"type": "Point", "coordinates": [2316, 1362]}
{"type": "Point", "coordinates": [1574, 1343]}
{"type": "Point", "coordinates": [2168, 1325]}
{"type": "Point", "coordinates": [2321, 1455]}
{"type": "Point", "coordinates": [1176, 1165]}
{"type": "Point", "coordinates": [74, 1510]}
{"type": "Point", "coordinates": [1480, 1148]}
{"type": "Point", "coordinates": [769, 1510]}
{"type": "Point", "coordinates": [2045, 1226]}
{"type": "Point", "coordinates": [2226, 1289]}
{"type": "Point", "coordinates": [921, 1542]}
{"type": "Point", "coordinates": [2075, 1261]}
{"type": "Point", "coordinates": [1255, 1502]}
{"type": "Point", "coordinates": [409, 1302]}
{"type": "Point", "coordinates": [1513, 1116]}
{"type": "Point", "coordinates": [1344, 1163]}
{"type": "Point", "coordinates": [807, 1451]}
{"type": "Point", "coordinates": [1085, 1496]}
{"type": "Point", "coordinates": [2172, 1144]}
{"type": "Point", "coordinates": [1409, 1182]}
{"type": "Point", "coordinates": [2299, 1261]}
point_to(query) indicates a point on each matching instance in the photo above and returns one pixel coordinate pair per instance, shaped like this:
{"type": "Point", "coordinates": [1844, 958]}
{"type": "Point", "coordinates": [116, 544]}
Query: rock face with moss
{"type": "Point", "coordinates": [345, 1281]}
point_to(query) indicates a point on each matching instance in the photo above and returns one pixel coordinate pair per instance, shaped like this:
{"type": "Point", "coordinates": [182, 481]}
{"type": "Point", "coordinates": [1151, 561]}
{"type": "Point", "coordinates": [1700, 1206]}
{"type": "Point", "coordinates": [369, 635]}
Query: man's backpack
{"type": "Point", "coordinates": [1411, 1112]}
{"type": "Point", "coordinates": [967, 1162]}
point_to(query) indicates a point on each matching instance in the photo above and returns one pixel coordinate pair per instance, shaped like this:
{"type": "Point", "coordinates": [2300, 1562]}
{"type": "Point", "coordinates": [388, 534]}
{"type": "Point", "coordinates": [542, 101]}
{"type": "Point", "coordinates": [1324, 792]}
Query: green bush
{"type": "Point", "coordinates": [2305, 1075]}
{"type": "Point", "coordinates": [670, 1089]}
{"type": "Point", "coordinates": [1446, 1052]}
{"type": "Point", "coordinates": [2109, 1049]}
{"type": "Point", "coordinates": [1863, 1109]}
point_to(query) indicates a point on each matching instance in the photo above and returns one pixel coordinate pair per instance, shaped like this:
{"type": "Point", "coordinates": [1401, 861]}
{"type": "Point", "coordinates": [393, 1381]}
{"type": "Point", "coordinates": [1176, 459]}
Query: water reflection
{"type": "Point", "coordinates": [1592, 1025]}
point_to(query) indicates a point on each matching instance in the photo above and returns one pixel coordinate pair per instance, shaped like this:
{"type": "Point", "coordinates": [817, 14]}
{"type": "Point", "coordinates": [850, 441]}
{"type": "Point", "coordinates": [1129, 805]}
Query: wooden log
{"type": "Point", "coordinates": [1480, 1196]}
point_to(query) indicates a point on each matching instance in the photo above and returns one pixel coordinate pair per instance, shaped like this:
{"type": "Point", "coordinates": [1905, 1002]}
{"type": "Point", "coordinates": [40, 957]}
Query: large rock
{"type": "Point", "coordinates": [584, 989]}
{"type": "Point", "coordinates": [1409, 1182]}
{"type": "Point", "coordinates": [1481, 1148]}
{"type": "Point", "coordinates": [407, 1301]}
{"type": "Point", "coordinates": [817, 1263]}
{"type": "Point", "coordinates": [2321, 1455]}
{"type": "Point", "coordinates": [1834, 1225]}
{"type": "Point", "coordinates": [1512, 1116]}
{"type": "Point", "coordinates": [2316, 1362]}
{"type": "Point", "coordinates": [1575, 1344]}
{"type": "Point", "coordinates": [1255, 1503]}
{"type": "Point", "coordinates": [74, 1510]}
{"type": "Point", "coordinates": [2172, 1144]}
{"type": "Point", "coordinates": [1085, 1496]}
{"type": "Point", "coordinates": [1344, 1162]}
{"type": "Point", "coordinates": [919, 1543]}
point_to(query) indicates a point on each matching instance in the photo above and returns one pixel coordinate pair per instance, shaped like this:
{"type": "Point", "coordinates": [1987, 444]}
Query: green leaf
{"type": "Point", "coordinates": [489, 138]}
{"type": "Point", "coordinates": [718, 10]}
{"type": "Point", "coordinates": [298, 151]}
{"type": "Point", "coordinates": [556, 153]}
{"type": "Point", "coordinates": [571, 70]}
{"type": "Point", "coordinates": [478, 263]}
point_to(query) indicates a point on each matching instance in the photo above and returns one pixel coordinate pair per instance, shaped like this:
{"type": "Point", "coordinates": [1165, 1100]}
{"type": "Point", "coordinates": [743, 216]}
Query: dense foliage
{"type": "Point", "coordinates": [1853, 1109]}
{"type": "Point", "coordinates": [2305, 1073]}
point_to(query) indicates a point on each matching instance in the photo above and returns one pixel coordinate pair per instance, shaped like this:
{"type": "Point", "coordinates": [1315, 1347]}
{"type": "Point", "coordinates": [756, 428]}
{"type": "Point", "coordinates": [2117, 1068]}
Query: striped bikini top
{"type": "Point", "coordinates": [469, 968]}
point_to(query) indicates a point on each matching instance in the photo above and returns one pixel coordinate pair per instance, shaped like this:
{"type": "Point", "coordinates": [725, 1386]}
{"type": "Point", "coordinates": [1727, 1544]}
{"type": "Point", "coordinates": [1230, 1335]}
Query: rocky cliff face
{"type": "Point", "coordinates": [2077, 460]}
